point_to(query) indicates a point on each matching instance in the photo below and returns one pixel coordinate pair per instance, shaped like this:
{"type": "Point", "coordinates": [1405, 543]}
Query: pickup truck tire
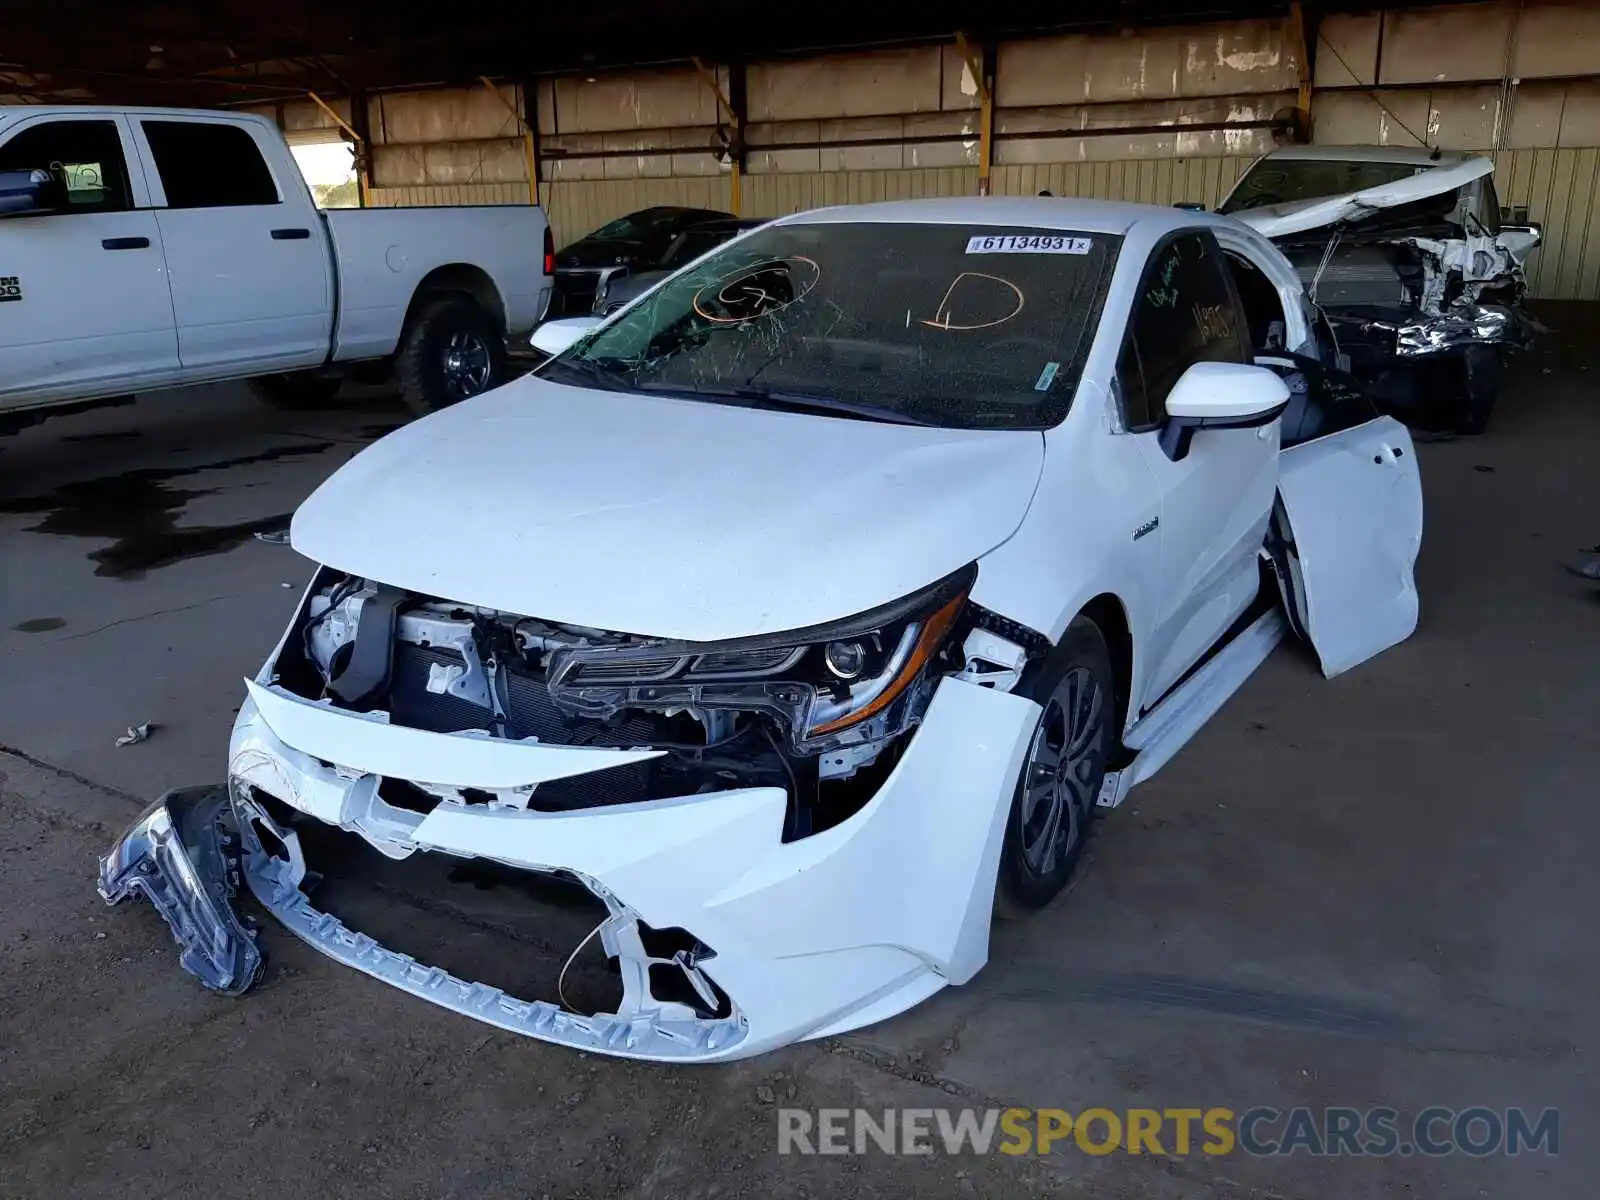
{"type": "Point", "coordinates": [451, 349]}
{"type": "Point", "coordinates": [1054, 804]}
{"type": "Point", "coordinates": [298, 390]}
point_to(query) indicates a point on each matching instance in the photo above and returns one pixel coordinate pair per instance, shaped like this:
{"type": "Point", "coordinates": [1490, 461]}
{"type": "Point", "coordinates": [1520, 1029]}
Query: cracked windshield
{"type": "Point", "coordinates": [951, 325]}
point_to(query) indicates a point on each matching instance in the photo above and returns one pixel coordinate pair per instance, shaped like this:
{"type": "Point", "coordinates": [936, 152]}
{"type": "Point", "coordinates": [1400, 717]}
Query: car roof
{"type": "Point", "coordinates": [1416, 156]}
{"type": "Point", "coordinates": [11, 113]}
{"type": "Point", "coordinates": [734, 223]}
{"type": "Point", "coordinates": [1028, 212]}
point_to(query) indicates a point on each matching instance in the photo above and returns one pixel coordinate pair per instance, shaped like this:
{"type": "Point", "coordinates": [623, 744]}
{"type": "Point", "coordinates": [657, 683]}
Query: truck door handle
{"type": "Point", "coordinates": [290, 235]}
{"type": "Point", "coordinates": [125, 243]}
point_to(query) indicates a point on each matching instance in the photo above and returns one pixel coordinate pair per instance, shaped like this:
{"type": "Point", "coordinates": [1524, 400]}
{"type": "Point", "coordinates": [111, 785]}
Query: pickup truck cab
{"type": "Point", "coordinates": [147, 248]}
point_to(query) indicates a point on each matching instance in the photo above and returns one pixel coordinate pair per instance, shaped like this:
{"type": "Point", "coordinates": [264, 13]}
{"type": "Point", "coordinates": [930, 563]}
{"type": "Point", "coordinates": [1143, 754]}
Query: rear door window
{"type": "Point", "coordinates": [1186, 311]}
{"type": "Point", "coordinates": [203, 164]}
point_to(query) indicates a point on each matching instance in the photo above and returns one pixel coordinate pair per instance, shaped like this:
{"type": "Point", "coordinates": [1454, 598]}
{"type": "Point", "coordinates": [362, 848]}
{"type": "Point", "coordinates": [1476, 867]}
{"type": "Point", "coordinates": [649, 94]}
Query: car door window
{"type": "Point", "coordinates": [1185, 311]}
{"type": "Point", "coordinates": [203, 164]}
{"type": "Point", "coordinates": [1488, 205]}
{"type": "Point", "coordinates": [87, 155]}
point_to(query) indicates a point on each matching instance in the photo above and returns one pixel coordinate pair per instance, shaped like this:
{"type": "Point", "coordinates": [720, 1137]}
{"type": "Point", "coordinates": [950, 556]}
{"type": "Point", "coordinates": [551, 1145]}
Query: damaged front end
{"type": "Point", "coordinates": [790, 835]}
{"type": "Point", "coordinates": [1403, 286]}
{"type": "Point", "coordinates": [1421, 293]}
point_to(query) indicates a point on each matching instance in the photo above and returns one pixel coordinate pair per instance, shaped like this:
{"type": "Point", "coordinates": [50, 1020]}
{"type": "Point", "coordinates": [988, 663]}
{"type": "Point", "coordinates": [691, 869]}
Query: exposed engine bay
{"type": "Point", "coordinates": [690, 793]}
{"type": "Point", "coordinates": [1408, 283]}
{"type": "Point", "coordinates": [820, 714]}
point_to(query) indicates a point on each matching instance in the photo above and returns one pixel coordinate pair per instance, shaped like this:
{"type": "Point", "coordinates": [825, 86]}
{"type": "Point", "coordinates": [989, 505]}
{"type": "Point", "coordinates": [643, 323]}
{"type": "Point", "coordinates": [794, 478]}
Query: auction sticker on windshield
{"type": "Point", "coordinates": [1015, 243]}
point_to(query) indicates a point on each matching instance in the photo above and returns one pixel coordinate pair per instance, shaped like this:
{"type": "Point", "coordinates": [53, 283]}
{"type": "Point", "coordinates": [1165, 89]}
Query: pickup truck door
{"type": "Point", "coordinates": [1215, 499]}
{"type": "Point", "coordinates": [84, 304]}
{"type": "Point", "coordinates": [246, 249]}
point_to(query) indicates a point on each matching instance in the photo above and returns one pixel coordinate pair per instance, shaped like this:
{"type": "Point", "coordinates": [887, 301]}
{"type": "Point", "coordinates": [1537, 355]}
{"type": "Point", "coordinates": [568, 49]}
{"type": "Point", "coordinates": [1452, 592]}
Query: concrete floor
{"type": "Point", "coordinates": [1375, 890]}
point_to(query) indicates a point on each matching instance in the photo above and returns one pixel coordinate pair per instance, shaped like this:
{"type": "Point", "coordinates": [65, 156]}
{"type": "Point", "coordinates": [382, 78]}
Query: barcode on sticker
{"type": "Point", "coordinates": [1027, 243]}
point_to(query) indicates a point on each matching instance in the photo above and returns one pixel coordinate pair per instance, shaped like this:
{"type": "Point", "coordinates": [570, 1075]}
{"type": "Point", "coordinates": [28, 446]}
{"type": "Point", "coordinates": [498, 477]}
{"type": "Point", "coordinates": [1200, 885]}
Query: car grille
{"type": "Point", "coordinates": [574, 292]}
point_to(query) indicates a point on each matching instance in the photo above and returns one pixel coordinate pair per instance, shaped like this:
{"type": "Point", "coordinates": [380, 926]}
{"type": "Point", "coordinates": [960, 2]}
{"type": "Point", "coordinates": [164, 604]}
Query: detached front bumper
{"type": "Point", "coordinates": [802, 939]}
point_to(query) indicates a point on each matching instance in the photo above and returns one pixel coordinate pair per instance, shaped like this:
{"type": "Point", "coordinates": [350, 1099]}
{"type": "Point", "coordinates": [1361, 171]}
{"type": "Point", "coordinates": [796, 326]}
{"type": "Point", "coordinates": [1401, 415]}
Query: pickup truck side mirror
{"type": "Point", "coordinates": [1220, 395]}
{"type": "Point", "coordinates": [555, 336]}
{"type": "Point", "coordinates": [31, 192]}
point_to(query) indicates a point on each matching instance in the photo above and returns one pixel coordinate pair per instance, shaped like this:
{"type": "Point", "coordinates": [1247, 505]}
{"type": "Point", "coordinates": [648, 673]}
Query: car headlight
{"type": "Point", "coordinates": [848, 681]}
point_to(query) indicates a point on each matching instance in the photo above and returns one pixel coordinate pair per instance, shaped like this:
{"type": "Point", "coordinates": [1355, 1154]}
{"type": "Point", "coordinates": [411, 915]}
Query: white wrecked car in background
{"type": "Point", "coordinates": [1405, 252]}
{"type": "Point", "coordinates": [805, 610]}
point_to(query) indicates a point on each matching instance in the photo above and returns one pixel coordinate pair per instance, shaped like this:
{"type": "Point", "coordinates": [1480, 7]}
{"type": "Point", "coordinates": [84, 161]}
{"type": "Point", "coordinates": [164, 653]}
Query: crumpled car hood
{"type": "Point", "coordinates": [1281, 220]}
{"type": "Point", "coordinates": [666, 517]}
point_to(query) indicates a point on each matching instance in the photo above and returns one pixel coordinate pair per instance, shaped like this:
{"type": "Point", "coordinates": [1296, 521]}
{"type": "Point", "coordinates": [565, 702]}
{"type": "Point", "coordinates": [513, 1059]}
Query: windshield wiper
{"type": "Point", "coordinates": [608, 373]}
{"type": "Point", "coordinates": [758, 397]}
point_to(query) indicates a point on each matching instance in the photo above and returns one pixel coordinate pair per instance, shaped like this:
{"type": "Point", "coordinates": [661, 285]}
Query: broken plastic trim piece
{"type": "Point", "coordinates": [182, 855]}
{"type": "Point", "coordinates": [644, 1027]}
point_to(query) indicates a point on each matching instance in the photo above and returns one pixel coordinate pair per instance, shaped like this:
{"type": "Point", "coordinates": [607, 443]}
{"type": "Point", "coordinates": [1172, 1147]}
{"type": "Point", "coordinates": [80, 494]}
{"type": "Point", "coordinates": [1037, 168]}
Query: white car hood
{"type": "Point", "coordinates": [666, 517]}
{"type": "Point", "coordinates": [1280, 220]}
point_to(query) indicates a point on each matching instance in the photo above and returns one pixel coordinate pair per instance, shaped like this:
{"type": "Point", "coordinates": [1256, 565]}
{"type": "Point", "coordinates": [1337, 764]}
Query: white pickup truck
{"type": "Point", "coordinates": [147, 248]}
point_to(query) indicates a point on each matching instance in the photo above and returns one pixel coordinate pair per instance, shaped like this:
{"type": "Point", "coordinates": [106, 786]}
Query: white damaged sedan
{"type": "Point", "coordinates": [805, 611]}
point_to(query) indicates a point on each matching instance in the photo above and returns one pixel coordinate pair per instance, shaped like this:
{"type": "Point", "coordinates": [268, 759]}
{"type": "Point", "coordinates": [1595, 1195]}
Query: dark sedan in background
{"type": "Point", "coordinates": [622, 258]}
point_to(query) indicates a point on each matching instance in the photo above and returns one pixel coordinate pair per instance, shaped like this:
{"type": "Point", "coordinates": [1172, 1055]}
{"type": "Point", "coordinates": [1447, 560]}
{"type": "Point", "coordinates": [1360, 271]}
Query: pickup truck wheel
{"type": "Point", "coordinates": [1061, 776]}
{"type": "Point", "coordinates": [298, 390]}
{"type": "Point", "coordinates": [452, 349]}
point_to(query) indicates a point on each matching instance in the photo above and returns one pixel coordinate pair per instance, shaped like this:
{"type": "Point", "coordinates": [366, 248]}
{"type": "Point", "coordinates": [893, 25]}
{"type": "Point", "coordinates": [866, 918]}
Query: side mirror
{"type": "Point", "coordinates": [555, 336]}
{"type": "Point", "coordinates": [1519, 239]}
{"type": "Point", "coordinates": [1220, 395]}
{"type": "Point", "coordinates": [29, 193]}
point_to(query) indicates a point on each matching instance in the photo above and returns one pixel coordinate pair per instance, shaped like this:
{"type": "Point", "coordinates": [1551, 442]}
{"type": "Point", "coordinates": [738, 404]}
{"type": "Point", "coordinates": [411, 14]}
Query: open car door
{"type": "Point", "coordinates": [1346, 531]}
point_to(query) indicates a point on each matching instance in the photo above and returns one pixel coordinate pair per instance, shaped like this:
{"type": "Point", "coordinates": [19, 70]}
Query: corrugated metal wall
{"type": "Point", "coordinates": [1502, 79]}
{"type": "Point", "coordinates": [1105, 116]}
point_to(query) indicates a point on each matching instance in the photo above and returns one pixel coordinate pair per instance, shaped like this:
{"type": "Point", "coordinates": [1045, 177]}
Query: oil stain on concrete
{"type": "Point", "coordinates": [39, 624]}
{"type": "Point", "coordinates": [138, 510]}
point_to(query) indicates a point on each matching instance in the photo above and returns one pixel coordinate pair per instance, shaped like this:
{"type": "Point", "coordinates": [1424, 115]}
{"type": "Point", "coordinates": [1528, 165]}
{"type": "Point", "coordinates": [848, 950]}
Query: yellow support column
{"type": "Point", "coordinates": [1302, 49]}
{"type": "Point", "coordinates": [363, 160]}
{"type": "Point", "coordinates": [974, 62]}
{"type": "Point", "coordinates": [529, 153]}
{"type": "Point", "coordinates": [736, 125]}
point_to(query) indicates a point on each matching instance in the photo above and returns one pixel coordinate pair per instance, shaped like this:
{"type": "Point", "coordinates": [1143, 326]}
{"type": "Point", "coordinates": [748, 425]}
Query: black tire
{"type": "Point", "coordinates": [297, 391]}
{"type": "Point", "coordinates": [1077, 674]}
{"type": "Point", "coordinates": [1481, 368]}
{"type": "Point", "coordinates": [451, 350]}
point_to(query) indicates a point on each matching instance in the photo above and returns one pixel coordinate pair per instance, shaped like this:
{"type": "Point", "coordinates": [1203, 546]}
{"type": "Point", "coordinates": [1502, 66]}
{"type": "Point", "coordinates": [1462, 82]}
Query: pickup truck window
{"type": "Point", "coordinates": [89, 154]}
{"type": "Point", "coordinates": [203, 164]}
